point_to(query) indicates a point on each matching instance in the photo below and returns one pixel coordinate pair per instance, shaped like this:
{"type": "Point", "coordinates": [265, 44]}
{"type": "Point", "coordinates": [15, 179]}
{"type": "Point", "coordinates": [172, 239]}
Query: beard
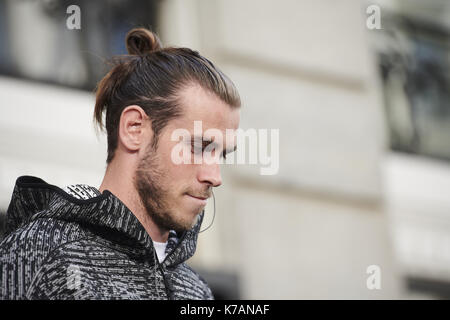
{"type": "Point", "coordinates": [149, 182]}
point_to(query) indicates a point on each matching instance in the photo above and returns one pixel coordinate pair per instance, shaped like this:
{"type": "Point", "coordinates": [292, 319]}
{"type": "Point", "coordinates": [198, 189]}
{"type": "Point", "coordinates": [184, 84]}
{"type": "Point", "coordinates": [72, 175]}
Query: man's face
{"type": "Point", "coordinates": [174, 194]}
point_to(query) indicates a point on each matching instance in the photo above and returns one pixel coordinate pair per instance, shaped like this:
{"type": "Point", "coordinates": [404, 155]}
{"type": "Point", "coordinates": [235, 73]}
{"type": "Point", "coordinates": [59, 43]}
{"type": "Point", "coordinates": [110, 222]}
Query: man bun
{"type": "Point", "coordinates": [140, 41]}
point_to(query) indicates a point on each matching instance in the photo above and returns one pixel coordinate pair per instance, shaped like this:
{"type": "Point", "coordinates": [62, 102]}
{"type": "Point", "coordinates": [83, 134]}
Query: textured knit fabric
{"type": "Point", "coordinates": [84, 192]}
{"type": "Point", "coordinates": [61, 247]}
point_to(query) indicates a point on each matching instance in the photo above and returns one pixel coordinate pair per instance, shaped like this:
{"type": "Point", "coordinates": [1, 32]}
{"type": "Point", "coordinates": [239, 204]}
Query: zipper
{"type": "Point", "coordinates": [167, 285]}
{"type": "Point", "coordinates": [169, 292]}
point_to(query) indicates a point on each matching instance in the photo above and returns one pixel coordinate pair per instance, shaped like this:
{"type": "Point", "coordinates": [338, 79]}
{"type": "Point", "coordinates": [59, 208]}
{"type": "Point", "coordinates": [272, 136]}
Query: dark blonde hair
{"type": "Point", "coordinates": [151, 76]}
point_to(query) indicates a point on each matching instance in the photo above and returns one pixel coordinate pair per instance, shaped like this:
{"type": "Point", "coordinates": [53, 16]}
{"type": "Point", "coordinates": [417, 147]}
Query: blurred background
{"type": "Point", "coordinates": [363, 115]}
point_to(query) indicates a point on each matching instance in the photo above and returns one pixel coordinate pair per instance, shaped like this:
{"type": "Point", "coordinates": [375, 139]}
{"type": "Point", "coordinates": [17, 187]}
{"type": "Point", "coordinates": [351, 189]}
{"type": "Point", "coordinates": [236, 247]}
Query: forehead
{"type": "Point", "coordinates": [199, 104]}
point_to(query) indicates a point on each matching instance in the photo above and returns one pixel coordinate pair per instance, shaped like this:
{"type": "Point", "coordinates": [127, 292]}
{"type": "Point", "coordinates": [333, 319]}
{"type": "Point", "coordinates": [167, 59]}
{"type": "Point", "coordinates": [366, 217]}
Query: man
{"type": "Point", "coordinates": [130, 238]}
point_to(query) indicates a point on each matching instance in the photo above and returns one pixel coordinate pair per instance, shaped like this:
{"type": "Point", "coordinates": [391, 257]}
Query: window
{"type": "Point", "coordinates": [414, 61]}
{"type": "Point", "coordinates": [36, 44]}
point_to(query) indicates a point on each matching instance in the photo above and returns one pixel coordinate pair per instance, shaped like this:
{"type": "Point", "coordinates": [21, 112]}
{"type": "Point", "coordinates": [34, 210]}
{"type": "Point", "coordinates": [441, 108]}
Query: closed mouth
{"type": "Point", "coordinates": [200, 198]}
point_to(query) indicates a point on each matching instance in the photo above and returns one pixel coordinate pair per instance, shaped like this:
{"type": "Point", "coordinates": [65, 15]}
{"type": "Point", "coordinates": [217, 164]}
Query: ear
{"type": "Point", "coordinates": [134, 128]}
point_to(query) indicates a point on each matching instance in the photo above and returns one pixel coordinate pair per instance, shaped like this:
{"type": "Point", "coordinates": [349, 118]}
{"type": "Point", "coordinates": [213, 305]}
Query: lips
{"type": "Point", "coordinates": [198, 197]}
{"type": "Point", "coordinates": [200, 200]}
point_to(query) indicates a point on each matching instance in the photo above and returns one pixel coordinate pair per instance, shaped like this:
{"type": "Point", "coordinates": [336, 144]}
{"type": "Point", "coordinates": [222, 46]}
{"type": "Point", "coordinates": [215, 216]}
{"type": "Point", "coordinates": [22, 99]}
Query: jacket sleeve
{"type": "Point", "coordinates": [58, 280]}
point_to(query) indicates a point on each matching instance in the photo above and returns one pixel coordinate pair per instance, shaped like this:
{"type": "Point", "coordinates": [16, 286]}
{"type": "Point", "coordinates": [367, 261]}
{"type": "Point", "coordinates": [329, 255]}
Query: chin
{"type": "Point", "coordinates": [187, 218]}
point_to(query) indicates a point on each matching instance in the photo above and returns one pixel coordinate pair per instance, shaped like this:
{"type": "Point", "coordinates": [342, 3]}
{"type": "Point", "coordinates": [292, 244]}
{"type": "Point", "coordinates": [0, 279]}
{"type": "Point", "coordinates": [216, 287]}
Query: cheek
{"type": "Point", "coordinates": [182, 175]}
{"type": "Point", "coordinates": [171, 168]}
{"type": "Point", "coordinates": [178, 178]}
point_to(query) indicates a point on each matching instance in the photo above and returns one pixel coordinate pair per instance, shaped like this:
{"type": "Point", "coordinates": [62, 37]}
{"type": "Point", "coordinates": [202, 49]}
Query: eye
{"type": "Point", "coordinates": [226, 153]}
{"type": "Point", "coordinates": [196, 148]}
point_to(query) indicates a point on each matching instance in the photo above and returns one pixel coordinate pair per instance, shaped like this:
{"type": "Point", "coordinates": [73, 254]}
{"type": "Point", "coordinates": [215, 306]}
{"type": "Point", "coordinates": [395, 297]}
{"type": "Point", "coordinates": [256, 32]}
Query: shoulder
{"type": "Point", "coordinates": [61, 273]}
{"type": "Point", "coordinates": [40, 235]}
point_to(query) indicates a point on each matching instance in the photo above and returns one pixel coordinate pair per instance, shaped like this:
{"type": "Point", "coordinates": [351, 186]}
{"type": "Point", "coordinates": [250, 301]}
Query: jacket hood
{"type": "Point", "coordinates": [34, 198]}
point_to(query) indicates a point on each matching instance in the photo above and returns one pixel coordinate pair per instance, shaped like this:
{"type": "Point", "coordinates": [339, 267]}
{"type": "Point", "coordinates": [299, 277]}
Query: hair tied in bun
{"type": "Point", "coordinates": [140, 41]}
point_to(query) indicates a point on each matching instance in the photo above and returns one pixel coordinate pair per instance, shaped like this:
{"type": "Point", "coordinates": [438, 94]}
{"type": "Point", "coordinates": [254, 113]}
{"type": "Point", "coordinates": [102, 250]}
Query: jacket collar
{"type": "Point", "coordinates": [33, 197]}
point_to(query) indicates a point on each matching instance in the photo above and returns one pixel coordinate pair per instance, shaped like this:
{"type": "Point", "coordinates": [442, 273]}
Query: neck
{"type": "Point", "coordinates": [119, 181]}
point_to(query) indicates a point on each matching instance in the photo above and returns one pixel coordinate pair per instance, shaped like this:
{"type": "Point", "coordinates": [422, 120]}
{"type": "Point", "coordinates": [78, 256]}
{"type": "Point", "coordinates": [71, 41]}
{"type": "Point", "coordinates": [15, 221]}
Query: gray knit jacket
{"type": "Point", "coordinates": [59, 247]}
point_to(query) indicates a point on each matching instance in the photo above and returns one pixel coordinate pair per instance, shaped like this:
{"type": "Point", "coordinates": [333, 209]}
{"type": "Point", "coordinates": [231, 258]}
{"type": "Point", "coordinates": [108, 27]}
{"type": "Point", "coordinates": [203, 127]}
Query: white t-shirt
{"type": "Point", "coordinates": [160, 248]}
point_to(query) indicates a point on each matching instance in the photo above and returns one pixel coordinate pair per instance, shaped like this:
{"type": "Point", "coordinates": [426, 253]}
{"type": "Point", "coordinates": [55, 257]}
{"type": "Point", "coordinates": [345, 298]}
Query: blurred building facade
{"type": "Point", "coordinates": [344, 198]}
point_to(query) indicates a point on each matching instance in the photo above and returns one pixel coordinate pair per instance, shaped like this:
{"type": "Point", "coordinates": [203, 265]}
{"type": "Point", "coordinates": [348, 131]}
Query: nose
{"type": "Point", "coordinates": [210, 174]}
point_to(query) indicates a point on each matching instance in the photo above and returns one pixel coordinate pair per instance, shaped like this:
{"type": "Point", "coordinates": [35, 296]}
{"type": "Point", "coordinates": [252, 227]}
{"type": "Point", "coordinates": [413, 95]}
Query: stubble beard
{"type": "Point", "coordinates": [148, 181]}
